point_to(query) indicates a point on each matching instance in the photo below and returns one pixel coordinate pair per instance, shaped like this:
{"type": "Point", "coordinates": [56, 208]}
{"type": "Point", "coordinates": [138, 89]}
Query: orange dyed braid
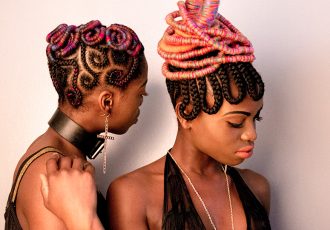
{"type": "Point", "coordinates": [201, 31]}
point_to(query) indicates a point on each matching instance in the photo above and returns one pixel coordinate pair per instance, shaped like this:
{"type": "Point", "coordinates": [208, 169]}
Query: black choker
{"type": "Point", "coordinates": [86, 142]}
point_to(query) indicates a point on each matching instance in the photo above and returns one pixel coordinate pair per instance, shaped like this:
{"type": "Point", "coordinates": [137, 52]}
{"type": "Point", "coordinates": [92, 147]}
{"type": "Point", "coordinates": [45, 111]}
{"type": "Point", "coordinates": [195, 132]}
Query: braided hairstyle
{"type": "Point", "coordinates": [194, 91]}
{"type": "Point", "coordinates": [81, 58]}
{"type": "Point", "coordinates": [206, 55]}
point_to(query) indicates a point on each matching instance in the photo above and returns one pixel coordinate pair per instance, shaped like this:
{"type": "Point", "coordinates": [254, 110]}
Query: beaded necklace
{"type": "Point", "coordinates": [224, 169]}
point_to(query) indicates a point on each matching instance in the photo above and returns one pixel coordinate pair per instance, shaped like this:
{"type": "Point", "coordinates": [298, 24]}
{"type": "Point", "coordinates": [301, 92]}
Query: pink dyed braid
{"type": "Point", "coordinates": [201, 31]}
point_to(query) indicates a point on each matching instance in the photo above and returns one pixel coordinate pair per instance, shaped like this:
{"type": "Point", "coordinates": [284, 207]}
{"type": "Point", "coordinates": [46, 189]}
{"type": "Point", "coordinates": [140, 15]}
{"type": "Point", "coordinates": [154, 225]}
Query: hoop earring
{"type": "Point", "coordinates": [106, 137]}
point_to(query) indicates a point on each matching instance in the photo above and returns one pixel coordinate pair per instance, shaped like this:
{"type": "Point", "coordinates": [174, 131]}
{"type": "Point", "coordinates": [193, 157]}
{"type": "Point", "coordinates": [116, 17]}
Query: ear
{"type": "Point", "coordinates": [183, 122]}
{"type": "Point", "coordinates": [105, 101]}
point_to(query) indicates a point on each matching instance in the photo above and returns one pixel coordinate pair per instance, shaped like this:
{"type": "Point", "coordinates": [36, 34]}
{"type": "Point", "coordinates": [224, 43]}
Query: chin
{"type": "Point", "coordinates": [119, 131]}
{"type": "Point", "coordinates": [233, 162]}
{"type": "Point", "coordinates": [236, 162]}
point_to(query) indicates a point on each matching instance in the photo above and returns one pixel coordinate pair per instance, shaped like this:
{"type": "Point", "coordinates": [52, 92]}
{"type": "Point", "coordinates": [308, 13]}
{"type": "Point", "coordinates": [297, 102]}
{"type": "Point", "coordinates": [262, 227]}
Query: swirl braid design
{"type": "Point", "coordinates": [92, 33]}
{"type": "Point", "coordinates": [90, 79]}
{"type": "Point", "coordinates": [117, 77]}
{"type": "Point", "coordinates": [120, 37]}
{"type": "Point", "coordinates": [73, 93]}
{"type": "Point", "coordinates": [81, 58]}
{"type": "Point", "coordinates": [63, 41]}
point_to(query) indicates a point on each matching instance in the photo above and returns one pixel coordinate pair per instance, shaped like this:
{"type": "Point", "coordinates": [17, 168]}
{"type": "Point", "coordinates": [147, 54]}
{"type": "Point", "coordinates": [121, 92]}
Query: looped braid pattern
{"type": "Point", "coordinates": [194, 92]}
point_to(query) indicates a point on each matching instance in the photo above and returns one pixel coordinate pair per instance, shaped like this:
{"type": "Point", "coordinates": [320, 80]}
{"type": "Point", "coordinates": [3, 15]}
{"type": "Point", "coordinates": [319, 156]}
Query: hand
{"type": "Point", "coordinates": [69, 191]}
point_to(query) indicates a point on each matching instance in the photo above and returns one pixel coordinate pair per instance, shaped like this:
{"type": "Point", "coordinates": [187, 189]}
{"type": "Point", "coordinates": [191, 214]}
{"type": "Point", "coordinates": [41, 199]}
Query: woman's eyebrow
{"type": "Point", "coordinates": [238, 112]}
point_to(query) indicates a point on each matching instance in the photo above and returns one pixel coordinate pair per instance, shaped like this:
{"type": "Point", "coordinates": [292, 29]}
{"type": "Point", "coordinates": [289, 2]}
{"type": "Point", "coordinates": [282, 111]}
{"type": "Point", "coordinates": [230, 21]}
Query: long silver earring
{"type": "Point", "coordinates": [106, 137]}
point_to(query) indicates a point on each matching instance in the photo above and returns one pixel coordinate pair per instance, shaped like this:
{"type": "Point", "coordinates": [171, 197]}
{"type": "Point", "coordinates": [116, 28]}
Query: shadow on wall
{"type": "Point", "coordinates": [139, 145]}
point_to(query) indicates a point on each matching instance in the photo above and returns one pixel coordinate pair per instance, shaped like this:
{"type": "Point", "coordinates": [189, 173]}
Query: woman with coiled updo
{"type": "Point", "coordinates": [217, 97]}
{"type": "Point", "coordinates": [100, 75]}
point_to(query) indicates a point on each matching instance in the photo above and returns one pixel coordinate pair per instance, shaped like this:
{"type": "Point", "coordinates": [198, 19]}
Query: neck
{"type": "Point", "coordinates": [192, 159]}
{"type": "Point", "coordinates": [76, 135]}
{"type": "Point", "coordinates": [62, 144]}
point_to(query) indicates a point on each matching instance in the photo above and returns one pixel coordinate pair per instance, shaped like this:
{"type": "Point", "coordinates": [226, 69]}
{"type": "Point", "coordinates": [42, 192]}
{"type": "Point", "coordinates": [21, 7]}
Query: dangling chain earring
{"type": "Point", "coordinates": [106, 137]}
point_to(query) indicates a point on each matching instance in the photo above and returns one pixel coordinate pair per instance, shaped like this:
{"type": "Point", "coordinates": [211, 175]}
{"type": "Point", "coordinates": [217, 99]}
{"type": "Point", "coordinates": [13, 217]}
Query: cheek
{"type": "Point", "coordinates": [216, 136]}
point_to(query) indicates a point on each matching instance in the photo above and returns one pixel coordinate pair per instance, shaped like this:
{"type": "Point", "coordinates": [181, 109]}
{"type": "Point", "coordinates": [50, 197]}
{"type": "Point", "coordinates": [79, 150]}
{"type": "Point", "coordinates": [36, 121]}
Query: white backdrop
{"type": "Point", "coordinates": [291, 39]}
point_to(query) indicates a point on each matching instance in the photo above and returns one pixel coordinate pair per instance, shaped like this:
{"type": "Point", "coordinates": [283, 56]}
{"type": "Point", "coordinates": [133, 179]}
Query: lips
{"type": "Point", "coordinates": [245, 152]}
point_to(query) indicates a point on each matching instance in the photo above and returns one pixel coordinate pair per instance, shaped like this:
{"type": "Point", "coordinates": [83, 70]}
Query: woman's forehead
{"type": "Point", "coordinates": [247, 105]}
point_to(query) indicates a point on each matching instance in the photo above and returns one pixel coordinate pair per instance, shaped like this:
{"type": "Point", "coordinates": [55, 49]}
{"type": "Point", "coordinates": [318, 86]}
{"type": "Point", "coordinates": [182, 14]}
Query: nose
{"type": "Point", "coordinates": [250, 132]}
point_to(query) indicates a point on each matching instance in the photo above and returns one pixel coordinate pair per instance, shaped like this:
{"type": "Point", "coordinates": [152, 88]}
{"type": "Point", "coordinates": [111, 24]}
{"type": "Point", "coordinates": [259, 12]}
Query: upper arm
{"type": "Point", "coordinates": [259, 186]}
{"type": "Point", "coordinates": [30, 208]}
{"type": "Point", "coordinates": [126, 204]}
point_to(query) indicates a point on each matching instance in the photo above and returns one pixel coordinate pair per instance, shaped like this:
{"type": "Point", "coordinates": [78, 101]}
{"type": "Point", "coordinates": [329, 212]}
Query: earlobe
{"type": "Point", "coordinates": [106, 101]}
{"type": "Point", "coordinates": [186, 124]}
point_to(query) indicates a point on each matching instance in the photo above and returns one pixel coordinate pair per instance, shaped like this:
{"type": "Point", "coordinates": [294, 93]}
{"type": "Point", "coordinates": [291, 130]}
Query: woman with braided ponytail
{"type": "Point", "coordinates": [217, 97]}
{"type": "Point", "coordinates": [100, 75]}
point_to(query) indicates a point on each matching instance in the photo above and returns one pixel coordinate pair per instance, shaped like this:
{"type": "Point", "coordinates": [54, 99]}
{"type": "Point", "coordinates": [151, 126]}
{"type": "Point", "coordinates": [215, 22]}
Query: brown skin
{"type": "Point", "coordinates": [136, 199]}
{"type": "Point", "coordinates": [123, 107]}
{"type": "Point", "coordinates": [64, 170]}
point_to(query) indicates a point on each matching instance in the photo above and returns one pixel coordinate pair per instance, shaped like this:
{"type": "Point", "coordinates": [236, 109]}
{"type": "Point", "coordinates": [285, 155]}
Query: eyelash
{"type": "Point", "coordinates": [235, 125]}
{"type": "Point", "coordinates": [258, 118]}
{"type": "Point", "coordinates": [240, 125]}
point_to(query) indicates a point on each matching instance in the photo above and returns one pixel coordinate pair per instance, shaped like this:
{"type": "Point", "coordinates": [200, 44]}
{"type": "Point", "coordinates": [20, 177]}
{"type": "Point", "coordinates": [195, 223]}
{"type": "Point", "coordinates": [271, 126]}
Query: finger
{"type": "Point", "coordinates": [44, 188]}
{"type": "Point", "coordinates": [52, 165]}
{"type": "Point", "coordinates": [88, 167]}
{"type": "Point", "coordinates": [65, 163]}
{"type": "Point", "coordinates": [78, 163]}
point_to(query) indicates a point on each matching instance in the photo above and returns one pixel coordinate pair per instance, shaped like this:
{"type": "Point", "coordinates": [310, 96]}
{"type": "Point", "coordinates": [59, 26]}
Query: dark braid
{"type": "Point", "coordinates": [81, 58]}
{"type": "Point", "coordinates": [90, 79]}
{"type": "Point", "coordinates": [217, 94]}
{"type": "Point", "coordinates": [196, 99]}
{"type": "Point", "coordinates": [73, 94]}
{"type": "Point", "coordinates": [171, 90]}
{"type": "Point", "coordinates": [245, 78]}
{"type": "Point", "coordinates": [253, 81]}
{"type": "Point", "coordinates": [186, 99]}
{"type": "Point", "coordinates": [225, 72]}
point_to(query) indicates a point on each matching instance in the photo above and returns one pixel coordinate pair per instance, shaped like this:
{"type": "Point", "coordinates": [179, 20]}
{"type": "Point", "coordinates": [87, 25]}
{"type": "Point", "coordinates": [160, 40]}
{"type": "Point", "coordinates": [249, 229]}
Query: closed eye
{"type": "Point", "coordinates": [235, 125]}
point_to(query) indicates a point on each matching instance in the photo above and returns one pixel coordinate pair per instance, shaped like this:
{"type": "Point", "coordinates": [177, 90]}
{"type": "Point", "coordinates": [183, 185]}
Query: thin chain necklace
{"type": "Point", "coordinates": [224, 168]}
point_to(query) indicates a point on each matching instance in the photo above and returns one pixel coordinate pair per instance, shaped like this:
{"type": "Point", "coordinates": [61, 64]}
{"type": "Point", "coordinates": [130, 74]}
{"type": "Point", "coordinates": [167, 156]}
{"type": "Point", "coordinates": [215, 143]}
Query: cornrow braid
{"type": "Point", "coordinates": [90, 79]}
{"type": "Point", "coordinates": [81, 58]}
{"type": "Point", "coordinates": [73, 94]}
{"type": "Point", "coordinates": [116, 77]}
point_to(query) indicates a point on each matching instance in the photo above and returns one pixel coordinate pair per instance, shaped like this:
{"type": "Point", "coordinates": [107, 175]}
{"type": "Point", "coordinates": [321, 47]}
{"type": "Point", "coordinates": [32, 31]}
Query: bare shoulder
{"type": "Point", "coordinates": [129, 196]}
{"type": "Point", "coordinates": [29, 203]}
{"type": "Point", "coordinates": [139, 180]}
{"type": "Point", "coordinates": [259, 186]}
